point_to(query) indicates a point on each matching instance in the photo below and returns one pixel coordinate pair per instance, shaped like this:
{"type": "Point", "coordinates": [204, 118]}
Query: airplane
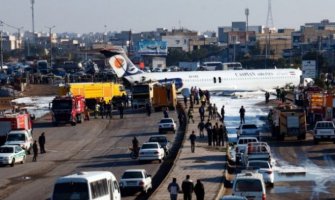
{"type": "Point", "coordinates": [224, 80]}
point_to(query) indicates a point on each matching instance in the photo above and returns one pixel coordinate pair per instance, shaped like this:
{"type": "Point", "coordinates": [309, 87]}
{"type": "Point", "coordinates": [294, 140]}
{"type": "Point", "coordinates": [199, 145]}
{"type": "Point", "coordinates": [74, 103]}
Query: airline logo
{"type": "Point", "coordinates": [118, 64]}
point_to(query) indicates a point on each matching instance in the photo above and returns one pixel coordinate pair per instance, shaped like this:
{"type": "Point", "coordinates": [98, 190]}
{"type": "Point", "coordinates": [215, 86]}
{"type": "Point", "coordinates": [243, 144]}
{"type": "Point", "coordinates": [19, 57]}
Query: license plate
{"type": "Point", "coordinates": [132, 183]}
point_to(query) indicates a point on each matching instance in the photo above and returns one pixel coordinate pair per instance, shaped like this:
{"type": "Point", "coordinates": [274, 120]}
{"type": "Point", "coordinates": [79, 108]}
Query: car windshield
{"type": "Point", "coordinates": [258, 165]}
{"type": "Point", "coordinates": [249, 185]}
{"type": "Point", "coordinates": [164, 121]}
{"type": "Point", "coordinates": [324, 126]}
{"type": "Point", "coordinates": [16, 137]}
{"type": "Point", "coordinates": [6, 150]}
{"type": "Point", "coordinates": [70, 191]}
{"type": "Point", "coordinates": [249, 126]}
{"type": "Point", "coordinates": [149, 146]}
{"type": "Point", "coordinates": [128, 175]}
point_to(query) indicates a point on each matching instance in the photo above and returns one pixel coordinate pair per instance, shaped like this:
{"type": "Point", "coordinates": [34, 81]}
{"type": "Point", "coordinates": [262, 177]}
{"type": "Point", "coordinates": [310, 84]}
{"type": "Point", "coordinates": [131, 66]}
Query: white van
{"type": "Point", "coordinates": [93, 185]}
{"type": "Point", "coordinates": [250, 185]}
{"type": "Point", "coordinates": [22, 138]}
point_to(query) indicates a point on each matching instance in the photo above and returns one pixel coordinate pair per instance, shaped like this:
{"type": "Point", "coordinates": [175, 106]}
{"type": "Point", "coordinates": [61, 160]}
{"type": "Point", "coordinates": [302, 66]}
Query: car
{"type": "Point", "coordinates": [162, 140]}
{"type": "Point", "coordinates": [23, 138]}
{"type": "Point", "coordinates": [151, 151]}
{"type": "Point", "coordinates": [167, 124]}
{"type": "Point", "coordinates": [11, 154]}
{"type": "Point", "coordinates": [135, 179]}
{"type": "Point", "coordinates": [250, 185]}
{"type": "Point", "coordinates": [324, 131]}
{"type": "Point", "coordinates": [241, 145]}
{"type": "Point", "coordinates": [263, 167]}
{"type": "Point", "coordinates": [250, 130]}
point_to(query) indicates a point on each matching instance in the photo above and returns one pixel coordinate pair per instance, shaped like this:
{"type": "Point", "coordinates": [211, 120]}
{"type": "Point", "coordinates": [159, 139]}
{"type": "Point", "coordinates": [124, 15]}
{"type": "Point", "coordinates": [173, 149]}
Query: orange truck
{"type": "Point", "coordinates": [164, 95]}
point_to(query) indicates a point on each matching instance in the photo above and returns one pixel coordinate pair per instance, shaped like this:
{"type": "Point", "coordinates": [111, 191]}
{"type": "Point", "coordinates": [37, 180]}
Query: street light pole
{"type": "Point", "coordinates": [50, 28]}
{"type": "Point", "coordinates": [1, 46]}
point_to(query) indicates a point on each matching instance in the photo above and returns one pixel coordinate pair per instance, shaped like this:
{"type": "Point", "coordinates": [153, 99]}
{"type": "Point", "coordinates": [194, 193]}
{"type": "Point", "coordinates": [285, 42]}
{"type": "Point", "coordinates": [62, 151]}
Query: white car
{"type": "Point", "coordinates": [11, 154]}
{"type": "Point", "coordinates": [22, 138]}
{"type": "Point", "coordinates": [250, 185]}
{"type": "Point", "coordinates": [263, 167]}
{"type": "Point", "coordinates": [135, 179]}
{"type": "Point", "coordinates": [167, 124]}
{"type": "Point", "coordinates": [151, 151]}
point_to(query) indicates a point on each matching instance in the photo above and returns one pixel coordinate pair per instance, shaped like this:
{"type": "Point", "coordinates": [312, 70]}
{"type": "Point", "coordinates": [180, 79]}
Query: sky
{"type": "Point", "coordinates": [84, 16]}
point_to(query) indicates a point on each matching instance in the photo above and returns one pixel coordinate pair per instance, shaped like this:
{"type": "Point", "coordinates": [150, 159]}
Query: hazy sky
{"type": "Point", "coordinates": [84, 16]}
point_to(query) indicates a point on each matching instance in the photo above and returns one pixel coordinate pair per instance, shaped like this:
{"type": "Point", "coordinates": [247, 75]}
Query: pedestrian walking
{"type": "Point", "coordinates": [192, 139]}
{"type": "Point", "coordinates": [35, 151]}
{"type": "Point", "coordinates": [210, 111]}
{"type": "Point", "coordinates": [41, 142]}
{"type": "Point", "coordinates": [242, 115]}
{"type": "Point", "coordinates": [202, 112]}
{"type": "Point", "coordinates": [187, 187]}
{"type": "Point", "coordinates": [148, 108]}
{"type": "Point", "coordinates": [173, 189]}
{"type": "Point", "coordinates": [222, 113]}
{"type": "Point", "coordinates": [215, 111]}
{"type": "Point", "coordinates": [102, 109]}
{"type": "Point", "coordinates": [267, 96]}
{"type": "Point", "coordinates": [121, 109]}
{"type": "Point", "coordinates": [166, 112]}
{"type": "Point", "coordinates": [190, 115]}
{"type": "Point", "coordinates": [108, 110]}
{"type": "Point", "coordinates": [208, 127]}
{"type": "Point", "coordinates": [199, 190]}
{"type": "Point", "coordinates": [221, 136]}
{"type": "Point", "coordinates": [215, 135]}
{"type": "Point", "coordinates": [201, 127]}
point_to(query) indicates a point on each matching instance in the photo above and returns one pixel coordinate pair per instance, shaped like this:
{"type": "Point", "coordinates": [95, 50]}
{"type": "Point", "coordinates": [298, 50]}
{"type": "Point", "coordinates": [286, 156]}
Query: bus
{"type": "Point", "coordinates": [93, 185]}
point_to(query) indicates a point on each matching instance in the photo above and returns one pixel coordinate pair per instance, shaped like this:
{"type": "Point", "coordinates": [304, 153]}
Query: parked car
{"type": "Point", "coordinates": [163, 141]}
{"type": "Point", "coordinates": [167, 124]}
{"type": "Point", "coordinates": [263, 167]}
{"type": "Point", "coordinates": [22, 138]}
{"type": "Point", "coordinates": [135, 179]}
{"type": "Point", "coordinates": [11, 154]}
{"type": "Point", "coordinates": [151, 151]}
{"type": "Point", "coordinates": [250, 185]}
{"type": "Point", "coordinates": [324, 131]}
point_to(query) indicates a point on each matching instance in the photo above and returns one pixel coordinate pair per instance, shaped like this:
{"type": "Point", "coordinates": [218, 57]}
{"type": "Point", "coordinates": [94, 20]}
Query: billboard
{"type": "Point", "coordinates": [309, 69]}
{"type": "Point", "coordinates": [150, 47]}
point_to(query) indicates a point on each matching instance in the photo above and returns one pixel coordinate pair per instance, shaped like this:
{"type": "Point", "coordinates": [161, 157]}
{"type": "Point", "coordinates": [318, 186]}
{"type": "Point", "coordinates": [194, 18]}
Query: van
{"type": "Point", "coordinates": [23, 138]}
{"type": "Point", "coordinates": [250, 185]}
{"type": "Point", "coordinates": [91, 185]}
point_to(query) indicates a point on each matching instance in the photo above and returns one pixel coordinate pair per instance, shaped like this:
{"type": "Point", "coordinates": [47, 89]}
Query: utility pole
{"type": "Point", "coordinates": [50, 35]}
{"type": "Point", "coordinates": [246, 28]}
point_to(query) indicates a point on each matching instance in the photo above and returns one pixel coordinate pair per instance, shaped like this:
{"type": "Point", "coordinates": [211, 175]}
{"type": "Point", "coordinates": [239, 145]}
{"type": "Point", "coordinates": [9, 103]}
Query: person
{"type": "Point", "coordinates": [35, 151]}
{"type": "Point", "coordinates": [215, 111]}
{"type": "Point", "coordinates": [242, 115]}
{"type": "Point", "coordinates": [87, 114]}
{"type": "Point", "coordinates": [108, 110]}
{"type": "Point", "coordinates": [210, 111]}
{"type": "Point", "coordinates": [41, 142]}
{"type": "Point", "coordinates": [222, 113]}
{"type": "Point", "coordinates": [202, 112]}
{"type": "Point", "coordinates": [190, 115]}
{"type": "Point", "coordinates": [148, 108]}
{"type": "Point", "coordinates": [121, 108]}
{"type": "Point", "coordinates": [201, 127]}
{"type": "Point", "coordinates": [96, 110]}
{"type": "Point", "coordinates": [215, 134]}
{"type": "Point", "coordinates": [208, 127]}
{"type": "Point", "coordinates": [199, 190]}
{"type": "Point", "coordinates": [102, 109]}
{"type": "Point", "coordinates": [173, 189]}
{"type": "Point", "coordinates": [267, 96]}
{"type": "Point", "coordinates": [221, 136]}
{"type": "Point", "coordinates": [166, 112]}
{"type": "Point", "coordinates": [187, 188]}
{"type": "Point", "coordinates": [192, 139]}
{"type": "Point", "coordinates": [135, 146]}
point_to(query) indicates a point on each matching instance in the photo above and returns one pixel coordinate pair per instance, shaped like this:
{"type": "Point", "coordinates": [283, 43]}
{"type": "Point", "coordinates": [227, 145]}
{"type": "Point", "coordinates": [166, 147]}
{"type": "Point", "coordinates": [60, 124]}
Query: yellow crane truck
{"type": "Point", "coordinates": [94, 92]}
{"type": "Point", "coordinates": [164, 95]}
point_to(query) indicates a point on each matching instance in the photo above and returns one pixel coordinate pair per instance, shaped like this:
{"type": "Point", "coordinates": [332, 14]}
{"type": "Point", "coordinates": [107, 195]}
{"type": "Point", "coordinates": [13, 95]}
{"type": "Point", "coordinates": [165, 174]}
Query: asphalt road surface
{"type": "Point", "coordinates": [98, 144]}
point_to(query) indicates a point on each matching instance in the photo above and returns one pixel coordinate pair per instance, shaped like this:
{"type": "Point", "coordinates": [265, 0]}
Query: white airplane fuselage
{"type": "Point", "coordinates": [231, 80]}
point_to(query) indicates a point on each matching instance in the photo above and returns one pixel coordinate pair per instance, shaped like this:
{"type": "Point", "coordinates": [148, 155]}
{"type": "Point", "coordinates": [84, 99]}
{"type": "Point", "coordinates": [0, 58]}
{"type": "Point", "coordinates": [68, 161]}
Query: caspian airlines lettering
{"type": "Point", "coordinates": [228, 80]}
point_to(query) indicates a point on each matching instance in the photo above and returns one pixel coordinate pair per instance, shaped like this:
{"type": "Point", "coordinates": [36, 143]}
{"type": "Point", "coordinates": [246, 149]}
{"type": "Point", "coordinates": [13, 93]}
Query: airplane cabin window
{"type": "Point", "coordinates": [214, 79]}
{"type": "Point", "coordinates": [219, 79]}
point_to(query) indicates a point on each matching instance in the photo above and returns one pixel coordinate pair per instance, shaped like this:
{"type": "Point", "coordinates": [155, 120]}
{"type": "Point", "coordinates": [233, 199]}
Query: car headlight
{"type": "Point", "coordinates": [6, 158]}
{"type": "Point", "coordinates": [121, 184]}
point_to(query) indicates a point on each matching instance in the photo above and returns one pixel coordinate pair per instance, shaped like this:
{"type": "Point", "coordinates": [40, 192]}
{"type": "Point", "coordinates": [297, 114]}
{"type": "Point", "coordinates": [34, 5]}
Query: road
{"type": "Point", "coordinates": [98, 144]}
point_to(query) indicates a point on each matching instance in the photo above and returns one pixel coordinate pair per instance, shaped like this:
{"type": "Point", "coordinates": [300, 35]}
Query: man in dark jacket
{"type": "Point", "coordinates": [41, 142]}
{"type": "Point", "coordinates": [187, 187]}
{"type": "Point", "coordinates": [35, 151]}
{"type": "Point", "coordinates": [199, 190]}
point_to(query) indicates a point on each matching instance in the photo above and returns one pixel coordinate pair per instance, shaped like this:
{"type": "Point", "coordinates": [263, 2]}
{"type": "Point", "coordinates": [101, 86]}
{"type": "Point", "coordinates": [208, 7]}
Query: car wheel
{"type": "Point", "coordinates": [23, 160]}
{"type": "Point", "coordinates": [13, 163]}
{"type": "Point", "coordinates": [271, 184]}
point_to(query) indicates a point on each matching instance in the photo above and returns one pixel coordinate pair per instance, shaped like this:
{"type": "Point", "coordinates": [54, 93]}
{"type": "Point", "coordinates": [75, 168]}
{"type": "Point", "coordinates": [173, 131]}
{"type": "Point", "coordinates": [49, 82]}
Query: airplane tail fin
{"type": "Point", "coordinates": [120, 63]}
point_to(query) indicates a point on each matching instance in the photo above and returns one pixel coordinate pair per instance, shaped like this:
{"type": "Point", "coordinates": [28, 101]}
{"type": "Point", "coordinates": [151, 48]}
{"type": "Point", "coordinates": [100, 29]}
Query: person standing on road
{"type": "Point", "coordinates": [192, 139]}
{"type": "Point", "coordinates": [202, 112]}
{"type": "Point", "coordinates": [222, 113]}
{"type": "Point", "coordinates": [166, 112]}
{"type": "Point", "coordinates": [201, 127]}
{"type": "Point", "coordinates": [35, 151]}
{"type": "Point", "coordinates": [148, 108]}
{"type": "Point", "coordinates": [242, 115]}
{"type": "Point", "coordinates": [41, 142]}
{"type": "Point", "coordinates": [199, 190]}
{"type": "Point", "coordinates": [208, 127]}
{"type": "Point", "coordinates": [187, 187]}
{"type": "Point", "coordinates": [173, 189]}
{"type": "Point", "coordinates": [121, 108]}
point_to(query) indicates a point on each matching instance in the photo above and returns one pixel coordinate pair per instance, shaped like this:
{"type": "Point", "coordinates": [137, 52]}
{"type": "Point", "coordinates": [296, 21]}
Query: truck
{"type": "Point", "coordinates": [142, 94]}
{"type": "Point", "coordinates": [94, 92]}
{"type": "Point", "coordinates": [164, 95]}
{"type": "Point", "coordinates": [67, 109]}
{"type": "Point", "coordinates": [256, 151]}
{"type": "Point", "coordinates": [324, 131]}
{"type": "Point", "coordinates": [12, 121]}
{"type": "Point", "coordinates": [288, 121]}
